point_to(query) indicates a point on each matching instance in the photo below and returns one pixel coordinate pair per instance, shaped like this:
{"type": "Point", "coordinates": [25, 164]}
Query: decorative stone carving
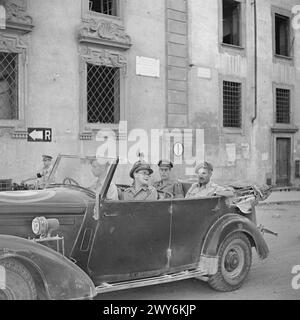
{"type": "Point", "coordinates": [16, 16]}
{"type": "Point", "coordinates": [19, 134]}
{"type": "Point", "coordinates": [103, 57]}
{"type": "Point", "coordinates": [12, 44]}
{"type": "Point", "coordinates": [86, 136]}
{"type": "Point", "coordinates": [105, 33]}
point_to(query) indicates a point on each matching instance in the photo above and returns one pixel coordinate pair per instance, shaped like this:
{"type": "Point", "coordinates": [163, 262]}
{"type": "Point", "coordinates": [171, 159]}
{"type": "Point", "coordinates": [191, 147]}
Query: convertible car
{"type": "Point", "coordinates": [68, 241]}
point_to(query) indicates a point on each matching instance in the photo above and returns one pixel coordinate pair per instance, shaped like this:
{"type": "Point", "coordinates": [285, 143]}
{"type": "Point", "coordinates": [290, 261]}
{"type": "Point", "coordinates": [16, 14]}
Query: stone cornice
{"type": "Point", "coordinates": [17, 19]}
{"type": "Point", "coordinates": [106, 33]}
{"type": "Point", "coordinates": [284, 130]}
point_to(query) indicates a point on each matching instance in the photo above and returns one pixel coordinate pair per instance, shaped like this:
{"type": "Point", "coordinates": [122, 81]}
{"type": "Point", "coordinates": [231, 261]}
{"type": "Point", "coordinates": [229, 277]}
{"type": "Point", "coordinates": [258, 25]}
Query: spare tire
{"type": "Point", "coordinates": [17, 282]}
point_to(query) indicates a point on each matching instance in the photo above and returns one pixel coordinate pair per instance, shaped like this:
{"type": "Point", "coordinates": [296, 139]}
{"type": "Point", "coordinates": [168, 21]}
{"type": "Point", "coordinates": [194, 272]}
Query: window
{"type": "Point", "coordinates": [283, 106]}
{"type": "Point", "coordinates": [232, 22]}
{"type": "Point", "coordinates": [103, 94]}
{"type": "Point", "coordinates": [297, 169]}
{"type": "Point", "coordinates": [104, 6]}
{"type": "Point", "coordinates": [282, 35]}
{"type": "Point", "coordinates": [9, 86]}
{"type": "Point", "coordinates": [232, 104]}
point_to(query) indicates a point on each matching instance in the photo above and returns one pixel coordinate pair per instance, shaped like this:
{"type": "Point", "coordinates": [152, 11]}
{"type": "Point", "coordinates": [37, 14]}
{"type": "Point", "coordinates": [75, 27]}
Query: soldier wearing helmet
{"type": "Point", "coordinates": [140, 189]}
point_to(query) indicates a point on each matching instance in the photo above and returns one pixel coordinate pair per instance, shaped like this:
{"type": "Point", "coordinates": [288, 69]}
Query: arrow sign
{"type": "Point", "coordinates": [36, 135]}
{"type": "Point", "coordinates": [39, 134]}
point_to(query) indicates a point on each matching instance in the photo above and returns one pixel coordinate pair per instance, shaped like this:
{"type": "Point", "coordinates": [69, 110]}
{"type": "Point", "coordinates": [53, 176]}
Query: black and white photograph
{"type": "Point", "coordinates": [149, 152]}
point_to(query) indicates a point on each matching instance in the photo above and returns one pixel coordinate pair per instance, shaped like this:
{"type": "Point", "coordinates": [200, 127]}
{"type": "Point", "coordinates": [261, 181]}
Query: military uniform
{"type": "Point", "coordinates": [44, 174]}
{"type": "Point", "coordinates": [209, 189]}
{"type": "Point", "coordinates": [198, 190]}
{"type": "Point", "coordinates": [143, 193]}
{"type": "Point", "coordinates": [171, 186]}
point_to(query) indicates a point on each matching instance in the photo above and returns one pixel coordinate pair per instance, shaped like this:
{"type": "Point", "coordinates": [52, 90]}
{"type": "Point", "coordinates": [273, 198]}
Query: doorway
{"type": "Point", "coordinates": [283, 161]}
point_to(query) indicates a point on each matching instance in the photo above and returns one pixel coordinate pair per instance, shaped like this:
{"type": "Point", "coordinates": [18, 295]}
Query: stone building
{"type": "Point", "coordinates": [229, 68]}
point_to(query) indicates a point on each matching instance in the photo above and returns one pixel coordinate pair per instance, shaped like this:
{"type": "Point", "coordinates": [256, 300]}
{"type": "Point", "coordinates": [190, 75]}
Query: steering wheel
{"type": "Point", "coordinates": [164, 195]}
{"type": "Point", "coordinates": [70, 181]}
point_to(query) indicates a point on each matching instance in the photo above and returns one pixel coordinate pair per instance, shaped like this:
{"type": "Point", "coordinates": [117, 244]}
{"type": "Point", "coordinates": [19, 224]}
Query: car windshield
{"type": "Point", "coordinates": [86, 172]}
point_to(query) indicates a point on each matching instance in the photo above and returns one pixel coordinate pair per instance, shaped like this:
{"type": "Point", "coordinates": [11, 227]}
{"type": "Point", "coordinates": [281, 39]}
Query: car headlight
{"type": "Point", "coordinates": [43, 227]}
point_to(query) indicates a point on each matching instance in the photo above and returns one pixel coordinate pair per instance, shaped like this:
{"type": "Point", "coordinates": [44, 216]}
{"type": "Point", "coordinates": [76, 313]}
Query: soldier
{"type": "Point", "coordinates": [204, 187]}
{"type": "Point", "coordinates": [42, 176]}
{"type": "Point", "coordinates": [140, 189]}
{"type": "Point", "coordinates": [166, 184]}
{"type": "Point", "coordinates": [99, 169]}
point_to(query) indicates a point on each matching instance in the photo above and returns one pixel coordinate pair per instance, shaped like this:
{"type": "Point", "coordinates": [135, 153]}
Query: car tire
{"type": "Point", "coordinates": [235, 257]}
{"type": "Point", "coordinates": [18, 284]}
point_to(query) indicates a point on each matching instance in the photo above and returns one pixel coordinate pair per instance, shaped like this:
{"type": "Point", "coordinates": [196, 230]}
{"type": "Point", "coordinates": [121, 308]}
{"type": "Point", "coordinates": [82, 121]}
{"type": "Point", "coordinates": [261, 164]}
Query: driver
{"type": "Point", "coordinates": [140, 189]}
{"type": "Point", "coordinates": [166, 184]}
{"type": "Point", "coordinates": [99, 169]}
{"type": "Point", "coordinates": [43, 174]}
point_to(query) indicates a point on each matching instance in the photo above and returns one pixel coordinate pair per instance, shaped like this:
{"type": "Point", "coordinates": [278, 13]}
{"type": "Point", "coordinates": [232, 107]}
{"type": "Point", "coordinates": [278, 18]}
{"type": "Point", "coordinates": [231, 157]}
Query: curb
{"type": "Point", "coordinates": [291, 202]}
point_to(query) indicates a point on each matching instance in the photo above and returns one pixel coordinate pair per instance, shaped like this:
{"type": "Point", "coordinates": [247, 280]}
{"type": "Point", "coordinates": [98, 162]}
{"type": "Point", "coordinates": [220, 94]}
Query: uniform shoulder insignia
{"type": "Point", "coordinates": [127, 190]}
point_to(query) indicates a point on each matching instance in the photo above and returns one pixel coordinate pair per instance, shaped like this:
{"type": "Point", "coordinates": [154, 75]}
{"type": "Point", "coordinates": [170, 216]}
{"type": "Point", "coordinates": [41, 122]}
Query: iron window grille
{"type": "Point", "coordinates": [103, 94]}
{"type": "Point", "coordinates": [232, 22]}
{"type": "Point", "coordinates": [282, 35]}
{"type": "Point", "coordinates": [108, 7]}
{"type": "Point", "coordinates": [282, 106]}
{"type": "Point", "coordinates": [232, 101]}
{"type": "Point", "coordinates": [8, 86]}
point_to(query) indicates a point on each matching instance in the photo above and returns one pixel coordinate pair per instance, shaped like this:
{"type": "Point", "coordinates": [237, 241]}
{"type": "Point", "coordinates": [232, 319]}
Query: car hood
{"type": "Point", "coordinates": [53, 200]}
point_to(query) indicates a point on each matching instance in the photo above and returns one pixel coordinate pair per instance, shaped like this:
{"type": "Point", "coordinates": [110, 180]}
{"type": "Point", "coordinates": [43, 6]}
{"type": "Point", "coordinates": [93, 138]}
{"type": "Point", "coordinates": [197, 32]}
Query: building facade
{"type": "Point", "coordinates": [230, 69]}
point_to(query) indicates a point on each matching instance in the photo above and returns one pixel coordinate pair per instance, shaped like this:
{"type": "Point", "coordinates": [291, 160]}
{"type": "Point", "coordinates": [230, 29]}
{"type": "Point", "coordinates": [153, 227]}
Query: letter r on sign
{"type": "Point", "coordinates": [47, 135]}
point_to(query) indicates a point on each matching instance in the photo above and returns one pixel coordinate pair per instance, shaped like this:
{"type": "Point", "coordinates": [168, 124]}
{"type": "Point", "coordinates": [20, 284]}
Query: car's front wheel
{"type": "Point", "coordinates": [235, 257]}
{"type": "Point", "coordinates": [16, 281]}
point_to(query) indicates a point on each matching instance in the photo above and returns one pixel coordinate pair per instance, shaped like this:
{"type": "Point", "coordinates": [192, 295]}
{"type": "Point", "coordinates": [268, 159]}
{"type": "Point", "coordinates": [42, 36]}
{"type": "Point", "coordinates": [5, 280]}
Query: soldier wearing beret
{"type": "Point", "coordinates": [43, 174]}
{"type": "Point", "coordinates": [166, 184]}
{"type": "Point", "coordinates": [140, 189]}
{"type": "Point", "coordinates": [204, 187]}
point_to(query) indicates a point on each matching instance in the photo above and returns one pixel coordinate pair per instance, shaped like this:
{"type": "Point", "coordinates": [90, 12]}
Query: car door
{"type": "Point", "coordinates": [191, 219]}
{"type": "Point", "coordinates": [131, 240]}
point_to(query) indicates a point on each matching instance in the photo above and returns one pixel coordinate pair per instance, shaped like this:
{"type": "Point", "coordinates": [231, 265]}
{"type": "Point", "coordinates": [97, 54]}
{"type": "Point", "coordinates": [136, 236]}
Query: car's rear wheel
{"type": "Point", "coordinates": [16, 281]}
{"type": "Point", "coordinates": [235, 257]}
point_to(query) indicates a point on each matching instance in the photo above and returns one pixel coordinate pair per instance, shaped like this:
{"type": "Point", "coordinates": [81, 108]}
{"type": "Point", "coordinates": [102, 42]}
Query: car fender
{"type": "Point", "coordinates": [227, 225]}
{"type": "Point", "coordinates": [59, 277]}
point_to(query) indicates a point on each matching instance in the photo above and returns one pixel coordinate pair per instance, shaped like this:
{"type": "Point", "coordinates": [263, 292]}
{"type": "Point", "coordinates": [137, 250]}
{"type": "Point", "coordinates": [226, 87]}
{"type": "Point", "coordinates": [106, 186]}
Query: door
{"type": "Point", "coordinates": [283, 161]}
{"type": "Point", "coordinates": [191, 221]}
{"type": "Point", "coordinates": [131, 241]}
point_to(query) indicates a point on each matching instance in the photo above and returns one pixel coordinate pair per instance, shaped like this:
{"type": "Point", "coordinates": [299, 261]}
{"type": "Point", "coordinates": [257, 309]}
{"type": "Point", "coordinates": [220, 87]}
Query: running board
{"type": "Point", "coordinates": [108, 287]}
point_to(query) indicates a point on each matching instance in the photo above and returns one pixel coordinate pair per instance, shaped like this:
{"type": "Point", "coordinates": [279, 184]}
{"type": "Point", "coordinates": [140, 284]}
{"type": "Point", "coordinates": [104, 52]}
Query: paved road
{"type": "Point", "coordinates": [269, 279]}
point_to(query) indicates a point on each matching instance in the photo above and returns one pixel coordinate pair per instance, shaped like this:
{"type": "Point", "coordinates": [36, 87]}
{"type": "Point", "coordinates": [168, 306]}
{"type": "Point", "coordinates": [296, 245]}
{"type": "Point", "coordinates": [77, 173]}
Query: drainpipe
{"type": "Point", "coordinates": [255, 62]}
